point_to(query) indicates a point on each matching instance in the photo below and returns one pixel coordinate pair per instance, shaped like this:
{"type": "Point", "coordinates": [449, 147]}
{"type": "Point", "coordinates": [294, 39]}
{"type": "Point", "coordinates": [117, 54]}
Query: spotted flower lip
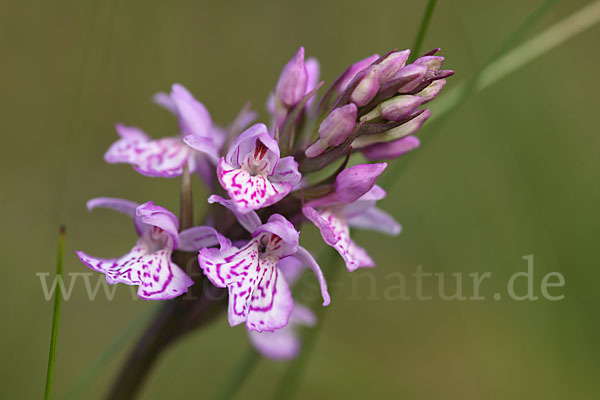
{"type": "Point", "coordinates": [258, 292]}
{"type": "Point", "coordinates": [285, 344]}
{"type": "Point", "coordinates": [148, 264]}
{"type": "Point", "coordinates": [167, 157]}
{"type": "Point", "coordinates": [253, 174]}
{"type": "Point", "coordinates": [352, 205]}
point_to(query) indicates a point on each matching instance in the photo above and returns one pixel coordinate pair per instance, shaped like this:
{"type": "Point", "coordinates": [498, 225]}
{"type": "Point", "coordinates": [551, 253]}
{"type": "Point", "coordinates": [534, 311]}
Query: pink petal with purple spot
{"type": "Point", "coordinates": [157, 277]}
{"type": "Point", "coordinates": [162, 158]}
{"type": "Point", "coordinates": [250, 192]}
{"type": "Point", "coordinates": [336, 232]}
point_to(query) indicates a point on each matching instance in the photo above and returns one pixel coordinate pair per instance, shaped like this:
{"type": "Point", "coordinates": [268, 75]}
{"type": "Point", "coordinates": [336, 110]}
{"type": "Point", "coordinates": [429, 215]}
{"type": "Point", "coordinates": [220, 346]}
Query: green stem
{"type": "Point", "coordinates": [238, 377]}
{"type": "Point", "coordinates": [416, 49]}
{"type": "Point", "coordinates": [56, 314]}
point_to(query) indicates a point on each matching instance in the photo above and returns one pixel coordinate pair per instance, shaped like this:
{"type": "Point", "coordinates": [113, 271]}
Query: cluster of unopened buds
{"type": "Point", "coordinates": [268, 184]}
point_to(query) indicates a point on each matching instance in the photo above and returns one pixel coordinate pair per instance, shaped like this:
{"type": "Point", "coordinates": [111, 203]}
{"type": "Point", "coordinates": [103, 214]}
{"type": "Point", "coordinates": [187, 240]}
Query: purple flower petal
{"type": "Point", "coordinates": [353, 182]}
{"type": "Point", "coordinates": [336, 233]}
{"type": "Point", "coordinates": [283, 236]}
{"type": "Point", "coordinates": [246, 145]}
{"type": "Point", "coordinates": [205, 145]}
{"type": "Point", "coordinates": [126, 149]}
{"type": "Point", "coordinates": [164, 100]}
{"type": "Point", "coordinates": [194, 118]}
{"type": "Point", "coordinates": [286, 174]}
{"type": "Point", "coordinates": [306, 258]}
{"type": "Point", "coordinates": [154, 216]}
{"type": "Point", "coordinates": [376, 220]}
{"type": "Point", "coordinates": [390, 150]}
{"type": "Point", "coordinates": [126, 207]}
{"type": "Point", "coordinates": [194, 239]}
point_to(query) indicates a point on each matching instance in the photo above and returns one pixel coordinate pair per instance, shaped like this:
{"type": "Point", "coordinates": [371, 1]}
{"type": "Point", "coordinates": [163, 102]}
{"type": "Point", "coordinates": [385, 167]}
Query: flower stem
{"type": "Point", "coordinates": [416, 49]}
{"type": "Point", "coordinates": [56, 315]}
{"type": "Point", "coordinates": [145, 353]}
{"type": "Point", "coordinates": [186, 203]}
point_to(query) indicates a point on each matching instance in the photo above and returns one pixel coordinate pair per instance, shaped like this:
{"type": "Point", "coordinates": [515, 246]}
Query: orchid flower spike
{"type": "Point", "coordinates": [258, 292]}
{"type": "Point", "coordinates": [148, 264]}
{"type": "Point", "coordinates": [253, 174]}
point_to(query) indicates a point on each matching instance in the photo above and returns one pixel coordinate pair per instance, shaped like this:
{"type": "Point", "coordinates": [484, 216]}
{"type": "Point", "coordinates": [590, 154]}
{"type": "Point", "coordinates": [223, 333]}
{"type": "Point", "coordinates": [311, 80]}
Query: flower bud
{"type": "Point", "coordinates": [433, 63]}
{"type": "Point", "coordinates": [292, 81]}
{"type": "Point", "coordinates": [413, 74]}
{"type": "Point", "coordinates": [313, 70]}
{"type": "Point", "coordinates": [353, 182]}
{"type": "Point", "coordinates": [367, 88]}
{"type": "Point", "coordinates": [391, 65]}
{"type": "Point", "coordinates": [393, 134]}
{"type": "Point", "coordinates": [400, 107]}
{"type": "Point", "coordinates": [353, 70]}
{"type": "Point", "coordinates": [390, 150]}
{"type": "Point", "coordinates": [334, 129]}
{"type": "Point", "coordinates": [431, 91]}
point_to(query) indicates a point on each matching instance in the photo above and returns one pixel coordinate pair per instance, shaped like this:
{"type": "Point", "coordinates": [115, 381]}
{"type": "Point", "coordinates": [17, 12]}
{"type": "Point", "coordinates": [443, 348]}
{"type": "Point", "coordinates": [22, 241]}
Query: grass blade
{"type": "Point", "coordinates": [55, 315]}
{"type": "Point", "coordinates": [552, 37]}
{"type": "Point", "coordinates": [416, 49]}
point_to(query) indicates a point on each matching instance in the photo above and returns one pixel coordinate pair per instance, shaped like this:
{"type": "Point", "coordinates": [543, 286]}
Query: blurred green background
{"type": "Point", "coordinates": [515, 171]}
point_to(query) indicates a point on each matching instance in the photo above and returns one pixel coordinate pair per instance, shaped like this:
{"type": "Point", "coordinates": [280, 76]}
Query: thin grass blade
{"type": "Point", "coordinates": [55, 315]}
